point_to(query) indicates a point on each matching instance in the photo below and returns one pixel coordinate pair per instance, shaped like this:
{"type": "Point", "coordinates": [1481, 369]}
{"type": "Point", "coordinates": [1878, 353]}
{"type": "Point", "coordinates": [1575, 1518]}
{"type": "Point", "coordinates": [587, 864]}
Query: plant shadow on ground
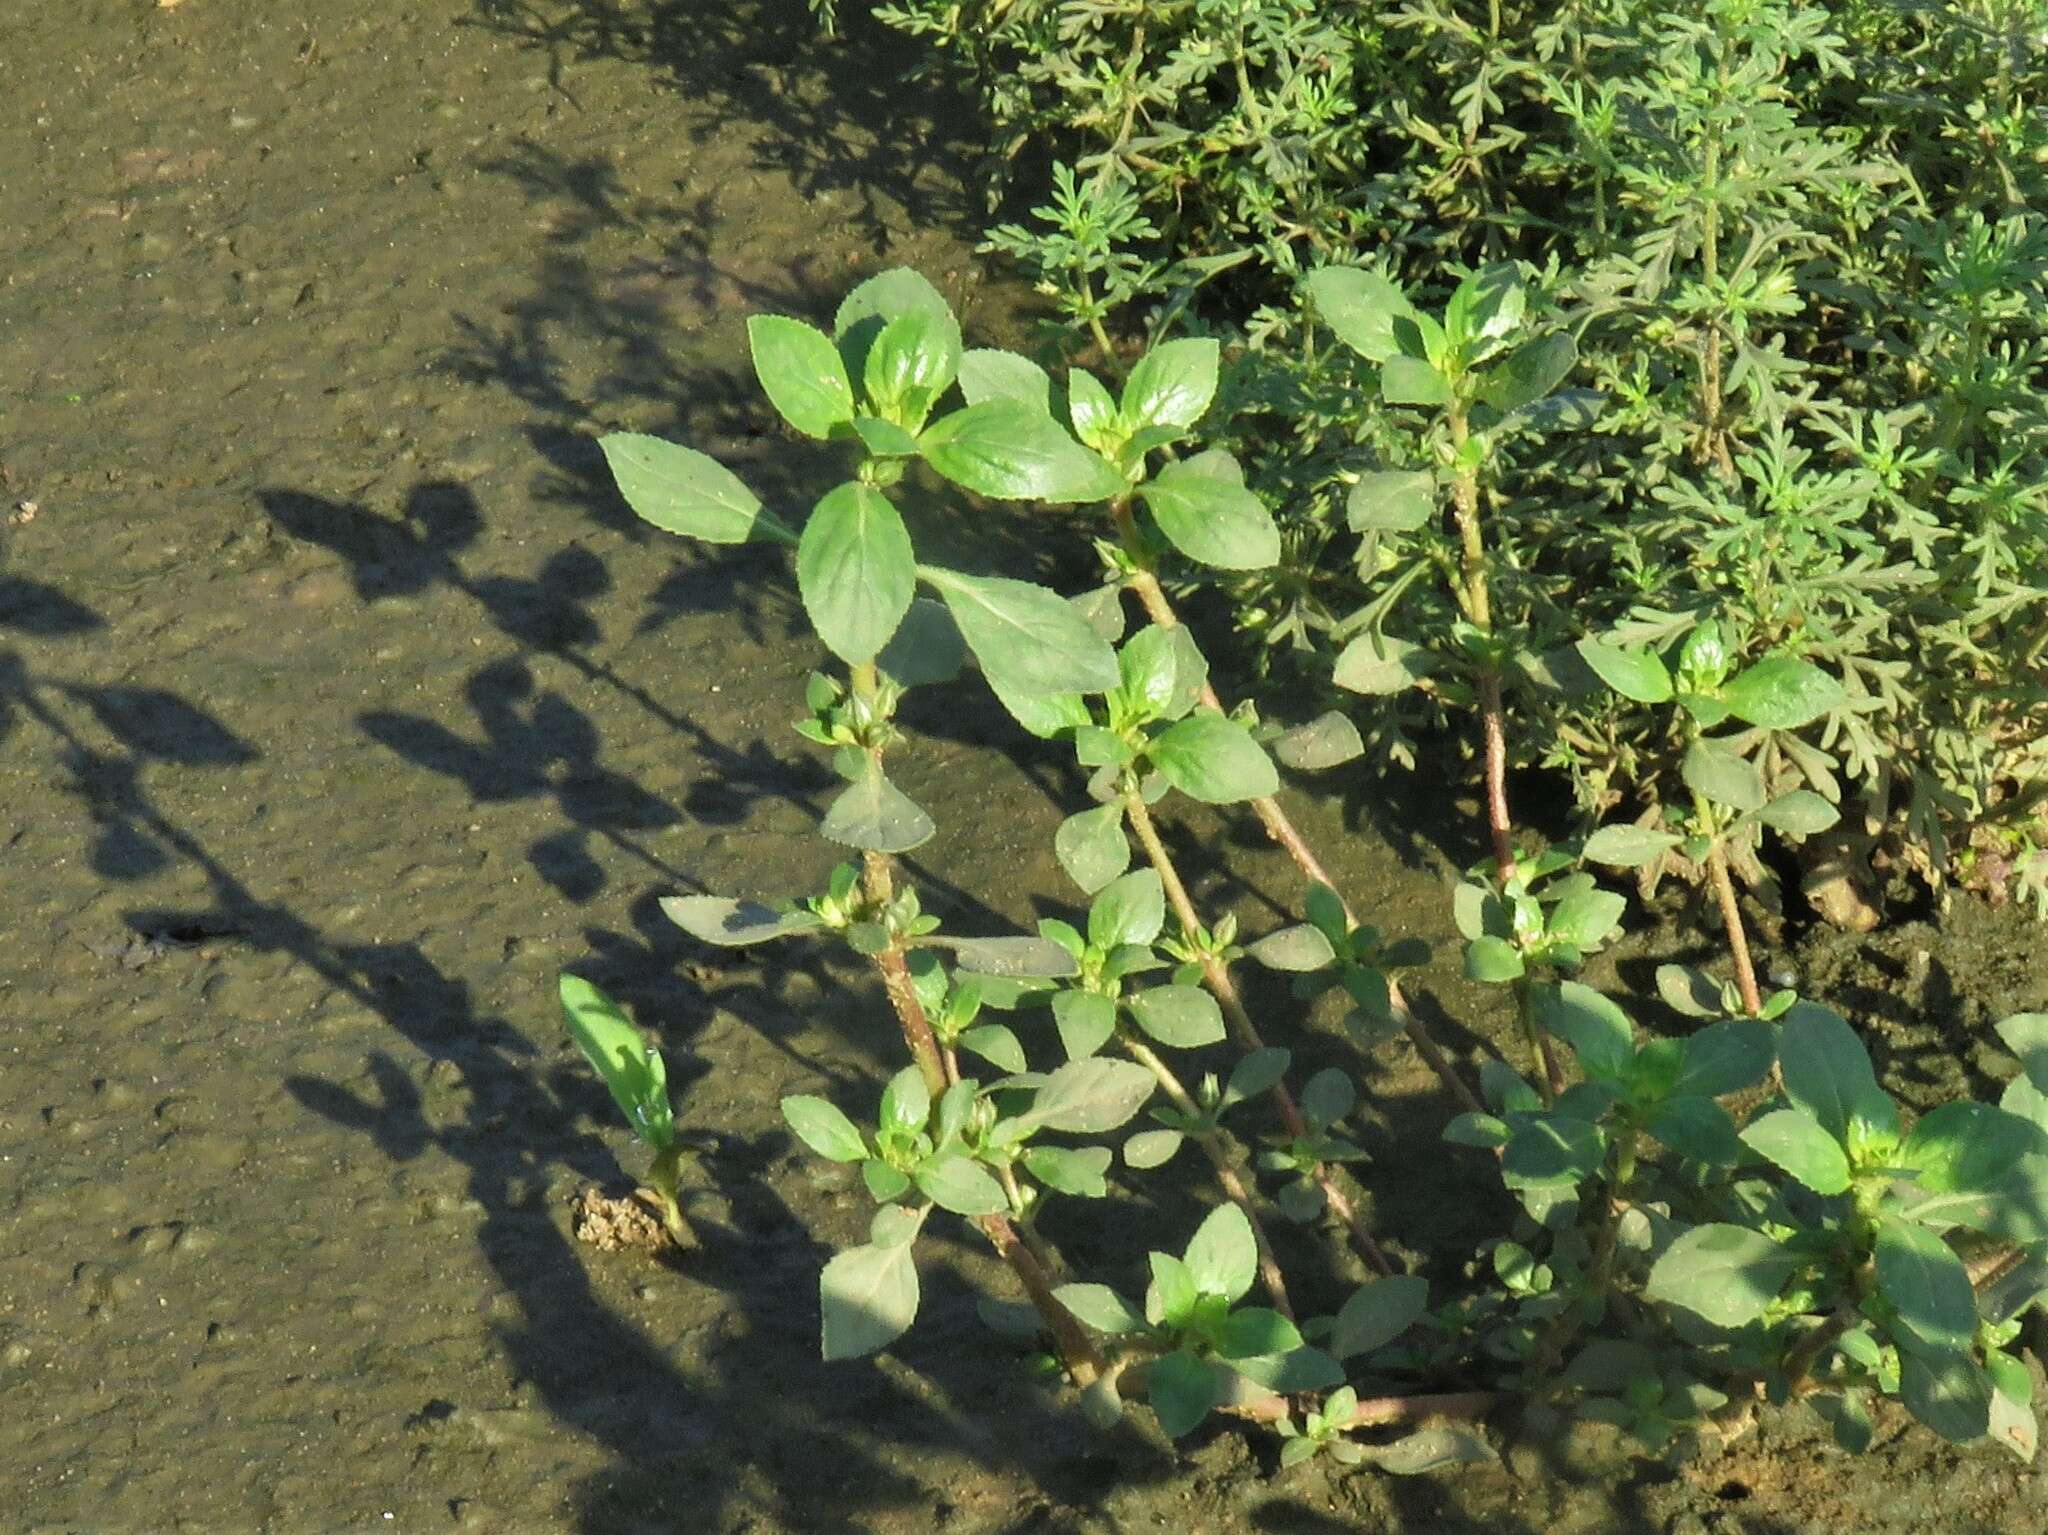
{"type": "Point", "coordinates": [696, 1439]}
{"type": "Point", "coordinates": [832, 115]}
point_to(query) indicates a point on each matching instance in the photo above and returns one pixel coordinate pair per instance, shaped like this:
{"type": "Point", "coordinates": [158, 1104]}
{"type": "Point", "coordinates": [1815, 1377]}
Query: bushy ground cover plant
{"type": "Point", "coordinates": [1703, 1220]}
{"type": "Point", "coordinates": [1798, 252]}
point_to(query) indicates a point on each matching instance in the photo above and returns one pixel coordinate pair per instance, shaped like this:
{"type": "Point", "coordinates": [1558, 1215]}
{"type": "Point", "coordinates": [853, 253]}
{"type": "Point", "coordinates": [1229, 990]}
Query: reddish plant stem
{"type": "Point", "coordinates": [1217, 978]}
{"type": "Point", "coordinates": [917, 1029]}
{"type": "Point", "coordinates": [1738, 939]}
{"type": "Point", "coordinates": [1077, 1350]}
{"type": "Point", "coordinates": [1281, 828]}
{"type": "Point", "coordinates": [1493, 727]}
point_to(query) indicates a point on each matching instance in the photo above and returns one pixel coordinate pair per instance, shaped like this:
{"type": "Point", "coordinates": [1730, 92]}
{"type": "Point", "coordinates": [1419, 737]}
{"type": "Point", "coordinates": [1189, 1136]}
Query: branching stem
{"type": "Point", "coordinates": [1232, 1183]}
{"type": "Point", "coordinates": [1216, 976]}
{"type": "Point", "coordinates": [1281, 828]}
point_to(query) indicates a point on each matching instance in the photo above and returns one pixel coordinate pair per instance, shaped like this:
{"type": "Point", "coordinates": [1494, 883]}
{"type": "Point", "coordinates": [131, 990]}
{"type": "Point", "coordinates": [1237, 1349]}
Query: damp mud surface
{"type": "Point", "coordinates": [342, 705]}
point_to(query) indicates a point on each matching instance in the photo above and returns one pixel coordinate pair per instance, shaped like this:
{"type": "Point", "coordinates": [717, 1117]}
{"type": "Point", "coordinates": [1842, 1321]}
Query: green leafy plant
{"type": "Point", "coordinates": [638, 1079]}
{"type": "Point", "coordinates": [1796, 252]}
{"type": "Point", "coordinates": [1694, 1222]}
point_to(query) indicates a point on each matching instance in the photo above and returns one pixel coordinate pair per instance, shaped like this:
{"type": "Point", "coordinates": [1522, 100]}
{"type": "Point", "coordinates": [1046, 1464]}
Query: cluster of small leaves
{"type": "Point", "coordinates": [1736, 1208]}
{"type": "Point", "coordinates": [1798, 250]}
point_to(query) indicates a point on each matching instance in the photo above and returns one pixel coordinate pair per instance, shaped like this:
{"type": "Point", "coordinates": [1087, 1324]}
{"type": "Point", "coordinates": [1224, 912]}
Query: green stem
{"type": "Point", "coordinates": [662, 1180]}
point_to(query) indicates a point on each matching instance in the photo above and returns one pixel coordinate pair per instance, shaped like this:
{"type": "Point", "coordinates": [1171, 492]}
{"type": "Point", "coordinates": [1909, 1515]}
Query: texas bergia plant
{"type": "Point", "coordinates": [1699, 1222]}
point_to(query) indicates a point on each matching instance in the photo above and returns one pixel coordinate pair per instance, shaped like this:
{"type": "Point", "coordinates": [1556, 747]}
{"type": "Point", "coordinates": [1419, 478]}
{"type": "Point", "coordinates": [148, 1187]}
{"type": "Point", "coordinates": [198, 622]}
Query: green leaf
{"type": "Point", "coordinates": [1010, 451]}
{"type": "Point", "coordinates": [1206, 512]}
{"type": "Point", "coordinates": [1129, 910]}
{"type": "Point", "coordinates": [1171, 385]}
{"type": "Point", "coordinates": [1172, 1297]}
{"type": "Point", "coordinates": [1783, 693]}
{"type": "Point", "coordinates": [1948, 1392]}
{"type": "Point", "coordinates": [1299, 948]}
{"type": "Point", "coordinates": [1492, 961]}
{"type": "Point", "coordinates": [1361, 307]}
{"type": "Point", "coordinates": [1038, 958]}
{"type": "Point", "coordinates": [1100, 1307]}
{"type": "Point", "coordinates": [1594, 1026]}
{"type": "Point", "coordinates": [1629, 847]}
{"type": "Point", "coordinates": [906, 1102]}
{"type": "Point", "coordinates": [1327, 741]}
{"type": "Point", "coordinates": [995, 1044]}
{"type": "Point", "coordinates": [1152, 1148]}
{"type": "Point", "coordinates": [1551, 1151]}
{"type": "Point", "coordinates": [1223, 1255]}
{"type": "Point", "coordinates": [1092, 847]}
{"type": "Point", "coordinates": [1801, 813]}
{"type": "Point", "coordinates": [1699, 1128]}
{"type": "Point", "coordinates": [1091, 1096]}
{"type": "Point", "coordinates": [1327, 1098]}
{"type": "Point", "coordinates": [1214, 760]}
{"type": "Point", "coordinates": [1486, 306]}
{"type": "Point", "coordinates": [1631, 672]}
{"type": "Point", "coordinates": [873, 814]}
{"type": "Point", "coordinates": [1076, 1172]}
{"type": "Point", "coordinates": [1258, 1072]}
{"type": "Point", "coordinates": [680, 490]}
{"type": "Point", "coordinates": [1163, 670]}
{"type": "Point", "coordinates": [1586, 919]}
{"type": "Point", "coordinates": [802, 373]}
{"type": "Point", "coordinates": [2026, 1036]}
{"type": "Point", "coordinates": [1391, 501]}
{"type": "Point", "coordinates": [926, 647]}
{"type": "Point", "coordinates": [884, 439]}
{"type": "Point", "coordinates": [1476, 1129]}
{"type": "Point", "coordinates": [884, 1182]}
{"type": "Point", "coordinates": [855, 571]}
{"type": "Point", "coordinates": [870, 308]}
{"type": "Point", "coordinates": [634, 1071]}
{"type": "Point", "coordinates": [1411, 381]}
{"type": "Point", "coordinates": [1427, 1449]}
{"type": "Point", "coordinates": [911, 363]}
{"type": "Point", "coordinates": [1377, 1313]}
{"type": "Point", "coordinates": [1025, 637]}
{"type": "Point", "coordinates": [1182, 1389]}
{"type": "Point", "coordinates": [1086, 1021]}
{"type": "Point", "coordinates": [1253, 1331]}
{"type": "Point", "coordinates": [1185, 1017]}
{"type": "Point", "coordinates": [1726, 1275]}
{"type": "Point", "coordinates": [895, 1225]}
{"type": "Point", "coordinates": [1091, 410]}
{"type": "Point", "coordinates": [1380, 664]}
{"type": "Point", "coordinates": [1721, 774]}
{"type": "Point", "coordinates": [1287, 1371]}
{"type": "Point", "coordinates": [1795, 1141]}
{"type": "Point", "coordinates": [962, 1185]}
{"type": "Point", "coordinates": [986, 374]}
{"type": "Point", "coordinates": [1979, 1167]}
{"type": "Point", "coordinates": [869, 1297]}
{"type": "Point", "coordinates": [824, 1129]}
{"type": "Point", "coordinates": [1530, 373]}
{"type": "Point", "coordinates": [1725, 1057]}
{"type": "Point", "coordinates": [1827, 1071]}
{"type": "Point", "coordinates": [1923, 1278]}
{"type": "Point", "coordinates": [734, 924]}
